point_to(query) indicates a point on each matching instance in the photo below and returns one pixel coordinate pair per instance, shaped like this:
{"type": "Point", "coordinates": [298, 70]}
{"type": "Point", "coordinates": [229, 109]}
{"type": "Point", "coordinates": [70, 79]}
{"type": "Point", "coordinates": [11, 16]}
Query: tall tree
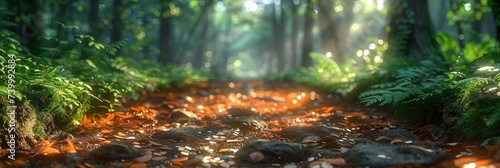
{"type": "Point", "coordinates": [201, 17]}
{"type": "Point", "coordinates": [294, 34]}
{"type": "Point", "coordinates": [33, 28]}
{"type": "Point", "coordinates": [166, 34]}
{"type": "Point", "coordinates": [116, 32]}
{"type": "Point", "coordinates": [222, 66]}
{"type": "Point", "coordinates": [199, 58]}
{"type": "Point", "coordinates": [334, 27]}
{"type": "Point", "coordinates": [279, 34]}
{"type": "Point", "coordinates": [495, 7]}
{"type": "Point", "coordinates": [307, 43]}
{"type": "Point", "coordinates": [458, 23]}
{"type": "Point", "coordinates": [94, 17]}
{"type": "Point", "coordinates": [411, 36]}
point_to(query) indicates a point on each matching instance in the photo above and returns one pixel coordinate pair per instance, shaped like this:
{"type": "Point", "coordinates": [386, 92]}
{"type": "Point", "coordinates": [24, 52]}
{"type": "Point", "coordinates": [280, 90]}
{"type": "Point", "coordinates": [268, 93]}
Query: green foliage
{"type": "Point", "coordinates": [325, 74]}
{"type": "Point", "coordinates": [52, 91]}
{"type": "Point", "coordinates": [468, 11]}
{"type": "Point", "coordinates": [74, 76]}
{"type": "Point", "coordinates": [339, 78]}
{"type": "Point", "coordinates": [471, 52]}
{"type": "Point", "coordinates": [469, 98]}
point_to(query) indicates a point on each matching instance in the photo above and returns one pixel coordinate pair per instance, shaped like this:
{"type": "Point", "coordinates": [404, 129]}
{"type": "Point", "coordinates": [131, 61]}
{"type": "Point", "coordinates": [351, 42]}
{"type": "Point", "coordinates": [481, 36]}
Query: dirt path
{"type": "Point", "coordinates": [248, 124]}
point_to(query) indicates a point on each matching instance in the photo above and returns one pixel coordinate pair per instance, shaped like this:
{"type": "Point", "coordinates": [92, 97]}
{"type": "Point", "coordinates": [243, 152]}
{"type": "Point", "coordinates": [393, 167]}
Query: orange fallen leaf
{"type": "Point", "coordinates": [397, 141]}
{"type": "Point", "coordinates": [464, 160]}
{"type": "Point", "coordinates": [483, 162]}
{"type": "Point", "coordinates": [110, 117]}
{"type": "Point", "coordinates": [382, 138]}
{"type": "Point", "coordinates": [179, 160]}
{"type": "Point", "coordinates": [123, 115]}
{"type": "Point", "coordinates": [41, 147]}
{"type": "Point", "coordinates": [49, 151]}
{"type": "Point", "coordinates": [135, 165]}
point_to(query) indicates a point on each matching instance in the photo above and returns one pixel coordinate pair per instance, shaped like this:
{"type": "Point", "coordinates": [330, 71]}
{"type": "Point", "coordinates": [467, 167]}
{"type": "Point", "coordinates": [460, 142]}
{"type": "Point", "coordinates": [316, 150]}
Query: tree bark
{"type": "Point", "coordinates": [93, 18]}
{"type": "Point", "coordinates": [495, 8]}
{"type": "Point", "coordinates": [166, 56]}
{"type": "Point", "coordinates": [32, 32]}
{"type": "Point", "coordinates": [460, 32]}
{"type": "Point", "coordinates": [335, 28]}
{"type": "Point", "coordinates": [222, 67]}
{"type": "Point", "coordinates": [278, 35]}
{"type": "Point", "coordinates": [116, 32]}
{"type": "Point", "coordinates": [199, 58]}
{"type": "Point", "coordinates": [295, 32]}
{"type": "Point", "coordinates": [191, 31]}
{"type": "Point", "coordinates": [307, 40]}
{"type": "Point", "coordinates": [412, 34]}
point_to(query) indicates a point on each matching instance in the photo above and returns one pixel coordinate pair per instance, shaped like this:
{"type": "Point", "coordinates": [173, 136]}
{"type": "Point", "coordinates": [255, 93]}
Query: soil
{"type": "Point", "coordinates": [249, 124]}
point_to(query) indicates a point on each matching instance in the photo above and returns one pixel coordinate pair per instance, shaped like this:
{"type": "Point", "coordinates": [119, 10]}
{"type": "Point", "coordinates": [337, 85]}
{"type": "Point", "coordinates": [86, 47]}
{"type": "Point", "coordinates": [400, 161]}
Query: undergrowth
{"type": "Point", "coordinates": [430, 93]}
{"type": "Point", "coordinates": [78, 76]}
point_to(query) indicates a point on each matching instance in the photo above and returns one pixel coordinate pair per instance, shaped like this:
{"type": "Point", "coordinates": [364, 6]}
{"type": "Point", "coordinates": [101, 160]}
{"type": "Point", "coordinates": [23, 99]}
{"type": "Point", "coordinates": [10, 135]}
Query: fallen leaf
{"type": "Point", "coordinates": [397, 141]}
{"type": "Point", "coordinates": [382, 138]}
{"type": "Point", "coordinates": [135, 165]}
{"type": "Point", "coordinates": [144, 158]}
{"type": "Point", "coordinates": [179, 159]}
{"type": "Point", "coordinates": [464, 160]}
{"type": "Point", "coordinates": [41, 147]}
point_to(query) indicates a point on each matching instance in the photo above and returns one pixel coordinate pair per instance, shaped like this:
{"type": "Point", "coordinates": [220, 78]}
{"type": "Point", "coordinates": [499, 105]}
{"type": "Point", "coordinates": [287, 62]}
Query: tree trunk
{"type": "Point", "coordinates": [307, 40]}
{"type": "Point", "coordinates": [116, 34]}
{"type": "Point", "coordinates": [460, 32]}
{"type": "Point", "coordinates": [201, 17]}
{"type": "Point", "coordinates": [199, 58]}
{"type": "Point", "coordinates": [278, 35]}
{"type": "Point", "coordinates": [32, 31]}
{"type": "Point", "coordinates": [412, 34]}
{"type": "Point", "coordinates": [166, 56]}
{"type": "Point", "coordinates": [495, 8]}
{"type": "Point", "coordinates": [93, 18]}
{"type": "Point", "coordinates": [295, 32]}
{"type": "Point", "coordinates": [222, 67]}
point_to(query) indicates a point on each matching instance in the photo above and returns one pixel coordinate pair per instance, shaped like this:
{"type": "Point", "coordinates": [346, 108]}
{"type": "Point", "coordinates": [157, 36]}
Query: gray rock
{"type": "Point", "coordinates": [374, 156]}
{"type": "Point", "coordinates": [183, 134]}
{"type": "Point", "coordinates": [274, 152]}
{"type": "Point", "coordinates": [399, 134]}
{"type": "Point", "coordinates": [246, 123]}
{"type": "Point", "coordinates": [298, 133]}
{"type": "Point", "coordinates": [112, 152]}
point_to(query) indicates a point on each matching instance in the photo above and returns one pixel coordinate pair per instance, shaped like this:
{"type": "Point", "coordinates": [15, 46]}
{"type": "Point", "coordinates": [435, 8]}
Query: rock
{"type": "Point", "coordinates": [298, 133]}
{"type": "Point", "coordinates": [112, 152]}
{"type": "Point", "coordinates": [182, 134]}
{"type": "Point", "coordinates": [373, 155]}
{"type": "Point", "coordinates": [183, 116]}
{"type": "Point", "coordinates": [399, 134]}
{"type": "Point", "coordinates": [246, 123]}
{"type": "Point", "coordinates": [274, 152]}
{"type": "Point", "coordinates": [240, 112]}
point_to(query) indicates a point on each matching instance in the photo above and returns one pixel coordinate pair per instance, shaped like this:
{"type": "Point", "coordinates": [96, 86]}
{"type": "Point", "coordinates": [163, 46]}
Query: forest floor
{"type": "Point", "coordinates": [250, 124]}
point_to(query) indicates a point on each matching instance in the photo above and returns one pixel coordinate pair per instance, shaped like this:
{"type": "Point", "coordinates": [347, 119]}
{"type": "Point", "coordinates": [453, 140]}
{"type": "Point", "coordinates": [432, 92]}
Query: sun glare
{"type": "Point", "coordinates": [251, 6]}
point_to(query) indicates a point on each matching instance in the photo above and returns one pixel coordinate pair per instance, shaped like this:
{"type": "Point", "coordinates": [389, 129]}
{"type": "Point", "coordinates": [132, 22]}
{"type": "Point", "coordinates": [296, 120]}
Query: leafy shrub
{"type": "Point", "coordinates": [429, 91]}
{"type": "Point", "coordinates": [52, 91]}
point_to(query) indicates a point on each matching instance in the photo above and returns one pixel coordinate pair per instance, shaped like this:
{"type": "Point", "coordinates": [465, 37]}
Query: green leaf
{"type": "Point", "coordinates": [91, 64]}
